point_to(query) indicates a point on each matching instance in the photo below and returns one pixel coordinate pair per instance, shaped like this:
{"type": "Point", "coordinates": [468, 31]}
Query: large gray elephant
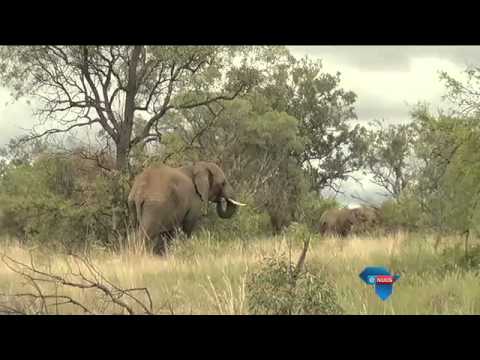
{"type": "Point", "coordinates": [165, 199]}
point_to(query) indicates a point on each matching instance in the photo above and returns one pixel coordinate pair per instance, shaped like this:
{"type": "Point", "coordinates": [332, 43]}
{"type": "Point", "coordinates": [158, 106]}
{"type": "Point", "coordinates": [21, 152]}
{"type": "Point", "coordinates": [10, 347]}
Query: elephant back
{"type": "Point", "coordinates": [155, 183]}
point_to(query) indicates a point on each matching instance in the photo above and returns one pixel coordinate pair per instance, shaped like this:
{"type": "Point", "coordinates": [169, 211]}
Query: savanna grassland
{"type": "Point", "coordinates": [202, 276]}
{"type": "Point", "coordinates": [286, 134]}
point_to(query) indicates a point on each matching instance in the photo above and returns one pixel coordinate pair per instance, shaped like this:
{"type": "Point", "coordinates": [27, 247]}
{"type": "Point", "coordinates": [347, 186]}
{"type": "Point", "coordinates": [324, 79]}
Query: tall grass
{"type": "Point", "coordinates": [205, 276]}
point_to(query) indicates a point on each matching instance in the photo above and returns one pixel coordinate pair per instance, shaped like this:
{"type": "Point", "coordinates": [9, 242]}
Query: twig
{"type": "Point", "coordinates": [93, 280]}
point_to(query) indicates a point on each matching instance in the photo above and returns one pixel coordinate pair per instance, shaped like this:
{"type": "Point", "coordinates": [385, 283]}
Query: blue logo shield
{"type": "Point", "coordinates": [381, 279]}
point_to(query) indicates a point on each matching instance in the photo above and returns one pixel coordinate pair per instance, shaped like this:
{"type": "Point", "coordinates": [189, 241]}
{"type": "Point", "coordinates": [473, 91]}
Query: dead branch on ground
{"type": "Point", "coordinates": [86, 277]}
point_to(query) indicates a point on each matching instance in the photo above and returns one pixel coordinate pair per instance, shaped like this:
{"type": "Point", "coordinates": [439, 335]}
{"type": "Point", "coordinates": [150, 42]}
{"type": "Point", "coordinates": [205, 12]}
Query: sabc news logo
{"type": "Point", "coordinates": [381, 279]}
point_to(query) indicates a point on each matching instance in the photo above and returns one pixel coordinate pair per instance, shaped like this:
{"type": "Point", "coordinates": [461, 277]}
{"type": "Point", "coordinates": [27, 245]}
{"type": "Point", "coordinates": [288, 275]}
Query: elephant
{"type": "Point", "coordinates": [345, 221]}
{"type": "Point", "coordinates": [366, 218]}
{"type": "Point", "coordinates": [165, 199]}
{"type": "Point", "coordinates": [337, 221]}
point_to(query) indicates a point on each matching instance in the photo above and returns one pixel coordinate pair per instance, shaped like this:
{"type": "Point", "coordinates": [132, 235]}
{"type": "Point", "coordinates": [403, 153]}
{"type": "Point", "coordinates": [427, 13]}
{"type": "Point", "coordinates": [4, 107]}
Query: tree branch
{"type": "Point", "coordinates": [56, 131]}
{"type": "Point", "coordinates": [102, 119]}
{"type": "Point", "coordinates": [35, 276]}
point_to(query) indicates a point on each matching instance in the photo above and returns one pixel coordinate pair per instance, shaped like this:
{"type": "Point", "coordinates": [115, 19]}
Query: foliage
{"type": "Point", "coordinates": [291, 134]}
{"type": "Point", "coordinates": [335, 146]}
{"type": "Point", "coordinates": [402, 214]}
{"type": "Point", "coordinates": [276, 289]}
{"type": "Point", "coordinates": [48, 202]}
{"type": "Point", "coordinates": [390, 157]}
{"type": "Point", "coordinates": [447, 186]}
{"type": "Point", "coordinates": [249, 223]}
{"type": "Point", "coordinates": [464, 93]}
{"type": "Point", "coordinates": [107, 87]}
{"type": "Point", "coordinates": [454, 259]}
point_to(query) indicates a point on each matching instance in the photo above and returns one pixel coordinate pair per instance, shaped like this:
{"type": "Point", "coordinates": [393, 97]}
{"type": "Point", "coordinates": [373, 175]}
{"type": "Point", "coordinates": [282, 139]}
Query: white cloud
{"type": "Point", "coordinates": [390, 58]}
{"type": "Point", "coordinates": [385, 93]}
{"type": "Point", "coordinates": [388, 81]}
{"type": "Point", "coordinates": [13, 117]}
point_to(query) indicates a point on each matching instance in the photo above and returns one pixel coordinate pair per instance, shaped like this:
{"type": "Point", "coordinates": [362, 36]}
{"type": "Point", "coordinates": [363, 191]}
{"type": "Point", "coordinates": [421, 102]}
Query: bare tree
{"type": "Point", "coordinates": [106, 86]}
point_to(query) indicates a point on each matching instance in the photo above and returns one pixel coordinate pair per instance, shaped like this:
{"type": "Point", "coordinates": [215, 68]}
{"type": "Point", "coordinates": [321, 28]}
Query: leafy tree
{"type": "Point", "coordinates": [17, 152]}
{"type": "Point", "coordinates": [447, 186]}
{"type": "Point", "coordinates": [56, 199]}
{"type": "Point", "coordinates": [335, 147]}
{"type": "Point", "coordinates": [390, 157]}
{"type": "Point", "coordinates": [464, 94]}
{"type": "Point", "coordinates": [289, 135]}
{"type": "Point", "coordinates": [253, 147]}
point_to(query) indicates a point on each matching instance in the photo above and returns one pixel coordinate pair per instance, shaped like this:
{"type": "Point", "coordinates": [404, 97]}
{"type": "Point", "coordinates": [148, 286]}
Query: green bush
{"type": "Point", "coordinates": [50, 219]}
{"type": "Point", "coordinates": [402, 214]}
{"type": "Point", "coordinates": [44, 202]}
{"type": "Point", "coordinates": [276, 289]}
{"type": "Point", "coordinates": [455, 259]}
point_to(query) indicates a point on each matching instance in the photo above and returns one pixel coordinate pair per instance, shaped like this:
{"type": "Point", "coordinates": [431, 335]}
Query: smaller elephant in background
{"type": "Point", "coordinates": [336, 222]}
{"type": "Point", "coordinates": [345, 221]}
{"type": "Point", "coordinates": [366, 218]}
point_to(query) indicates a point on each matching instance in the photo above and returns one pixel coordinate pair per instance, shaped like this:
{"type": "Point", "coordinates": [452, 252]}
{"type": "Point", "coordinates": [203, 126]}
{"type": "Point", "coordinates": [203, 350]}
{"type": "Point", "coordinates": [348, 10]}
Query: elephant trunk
{"type": "Point", "coordinates": [226, 212]}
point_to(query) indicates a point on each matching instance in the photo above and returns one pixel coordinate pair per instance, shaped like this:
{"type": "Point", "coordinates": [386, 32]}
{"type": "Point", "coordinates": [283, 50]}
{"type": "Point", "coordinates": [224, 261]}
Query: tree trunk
{"type": "Point", "coordinates": [120, 193]}
{"type": "Point", "coordinates": [122, 155]}
{"type": "Point", "coordinates": [125, 128]}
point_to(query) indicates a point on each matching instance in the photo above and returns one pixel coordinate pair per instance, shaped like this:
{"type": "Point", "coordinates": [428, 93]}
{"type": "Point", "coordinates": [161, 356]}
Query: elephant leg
{"type": "Point", "coordinates": [163, 242]}
{"type": "Point", "coordinates": [160, 246]}
{"type": "Point", "coordinates": [156, 224]}
{"type": "Point", "coordinates": [190, 221]}
{"type": "Point", "coordinates": [188, 229]}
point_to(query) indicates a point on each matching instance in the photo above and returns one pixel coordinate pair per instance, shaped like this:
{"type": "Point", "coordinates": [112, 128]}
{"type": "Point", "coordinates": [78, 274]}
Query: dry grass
{"type": "Point", "coordinates": [206, 277]}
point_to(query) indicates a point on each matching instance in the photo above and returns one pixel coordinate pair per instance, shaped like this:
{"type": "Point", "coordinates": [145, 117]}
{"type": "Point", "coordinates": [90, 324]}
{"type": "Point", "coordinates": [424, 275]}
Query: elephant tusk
{"type": "Point", "coordinates": [236, 202]}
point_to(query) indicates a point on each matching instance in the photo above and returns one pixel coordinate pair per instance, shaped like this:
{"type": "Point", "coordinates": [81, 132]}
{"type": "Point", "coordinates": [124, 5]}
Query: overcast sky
{"type": "Point", "coordinates": [388, 80]}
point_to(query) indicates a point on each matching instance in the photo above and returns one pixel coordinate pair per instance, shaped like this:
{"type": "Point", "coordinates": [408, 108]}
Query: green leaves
{"type": "Point", "coordinates": [275, 130]}
{"type": "Point", "coordinates": [448, 178]}
{"type": "Point", "coordinates": [276, 288]}
{"type": "Point", "coordinates": [290, 133]}
{"type": "Point", "coordinates": [390, 157]}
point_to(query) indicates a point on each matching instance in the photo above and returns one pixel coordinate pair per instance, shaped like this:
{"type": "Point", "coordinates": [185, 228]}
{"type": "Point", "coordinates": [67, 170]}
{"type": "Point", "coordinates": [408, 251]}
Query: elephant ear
{"type": "Point", "coordinates": [201, 180]}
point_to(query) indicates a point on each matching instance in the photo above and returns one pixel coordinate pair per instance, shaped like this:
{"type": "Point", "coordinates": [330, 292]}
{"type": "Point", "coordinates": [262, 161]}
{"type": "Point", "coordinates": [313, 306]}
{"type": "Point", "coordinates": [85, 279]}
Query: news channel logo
{"type": "Point", "coordinates": [381, 279]}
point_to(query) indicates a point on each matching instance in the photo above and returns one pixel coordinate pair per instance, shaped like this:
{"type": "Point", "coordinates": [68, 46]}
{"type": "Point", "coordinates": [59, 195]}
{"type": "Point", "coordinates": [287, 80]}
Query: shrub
{"type": "Point", "coordinates": [46, 202]}
{"type": "Point", "coordinates": [455, 259]}
{"type": "Point", "coordinates": [276, 288]}
{"type": "Point", "coordinates": [402, 214]}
